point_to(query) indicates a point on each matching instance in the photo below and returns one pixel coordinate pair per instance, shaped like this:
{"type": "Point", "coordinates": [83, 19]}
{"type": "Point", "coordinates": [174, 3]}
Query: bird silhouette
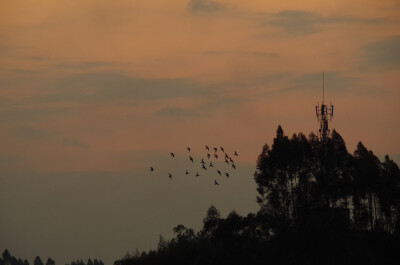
{"type": "Point", "coordinates": [191, 158]}
{"type": "Point", "coordinates": [215, 182]}
{"type": "Point", "coordinates": [172, 154]}
{"type": "Point", "coordinates": [234, 167]}
{"type": "Point", "coordinates": [226, 161]}
{"type": "Point", "coordinates": [151, 169]}
{"type": "Point", "coordinates": [219, 172]}
{"type": "Point", "coordinates": [202, 161]}
{"type": "Point", "coordinates": [227, 175]}
{"type": "Point", "coordinates": [208, 148]}
{"type": "Point", "coordinates": [169, 175]}
{"type": "Point", "coordinates": [222, 149]}
{"type": "Point", "coordinates": [208, 155]}
{"type": "Point", "coordinates": [226, 155]}
{"type": "Point", "coordinates": [188, 148]}
{"type": "Point", "coordinates": [230, 159]}
{"type": "Point", "coordinates": [216, 156]}
{"type": "Point", "coordinates": [211, 165]}
{"type": "Point", "coordinates": [235, 154]}
{"type": "Point", "coordinates": [187, 172]}
{"type": "Point", "coordinates": [215, 149]}
{"type": "Point", "coordinates": [197, 174]}
{"type": "Point", "coordinates": [204, 167]}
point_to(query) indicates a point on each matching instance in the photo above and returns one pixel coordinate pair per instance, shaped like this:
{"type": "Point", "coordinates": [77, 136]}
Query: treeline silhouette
{"type": "Point", "coordinates": [8, 259]}
{"type": "Point", "coordinates": [319, 204]}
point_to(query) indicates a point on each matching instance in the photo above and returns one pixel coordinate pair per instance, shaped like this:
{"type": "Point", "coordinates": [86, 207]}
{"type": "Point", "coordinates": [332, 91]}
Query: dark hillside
{"type": "Point", "coordinates": [319, 204]}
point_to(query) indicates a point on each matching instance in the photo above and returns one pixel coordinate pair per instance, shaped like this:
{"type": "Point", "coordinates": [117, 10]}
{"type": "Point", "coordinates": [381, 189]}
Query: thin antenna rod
{"type": "Point", "coordinates": [323, 87]}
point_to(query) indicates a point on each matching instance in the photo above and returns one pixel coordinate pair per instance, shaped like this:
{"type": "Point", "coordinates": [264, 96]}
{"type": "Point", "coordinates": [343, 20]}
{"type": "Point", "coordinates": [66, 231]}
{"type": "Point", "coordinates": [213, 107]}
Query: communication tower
{"type": "Point", "coordinates": [324, 114]}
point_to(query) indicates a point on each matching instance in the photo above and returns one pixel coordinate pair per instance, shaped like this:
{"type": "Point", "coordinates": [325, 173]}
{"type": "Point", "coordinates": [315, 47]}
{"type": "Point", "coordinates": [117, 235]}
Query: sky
{"type": "Point", "coordinates": [94, 92]}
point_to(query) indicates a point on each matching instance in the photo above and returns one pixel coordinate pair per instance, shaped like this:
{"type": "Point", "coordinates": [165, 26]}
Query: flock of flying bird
{"type": "Point", "coordinates": [209, 164]}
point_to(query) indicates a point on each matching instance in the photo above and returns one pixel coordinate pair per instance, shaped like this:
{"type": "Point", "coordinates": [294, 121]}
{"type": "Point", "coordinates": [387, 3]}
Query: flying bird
{"type": "Point", "coordinates": [208, 148]}
{"type": "Point", "coordinates": [222, 149]}
{"type": "Point", "coordinates": [169, 175]}
{"type": "Point", "coordinates": [226, 155]}
{"type": "Point", "coordinates": [187, 172]}
{"type": "Point", "coordinates": [202, 161]}
{"type": "Point", "coordinates": [215, 182]}
{"type": "Point", "coordinates": [226, 161]}
{"type": "Point", "coordinates": [234, 167]}
{"type": "Point", "coordinates": [227, 175]}
{"type": "Point", "coordinates": [204, 167]}
{"type": "Point", "coordinates": [151, 169]}
{"type": "Point", "coordinates": [230, 159]}
{"type": "Point", "coordinates": [208, 155]}
{"type": "Point", "coordinates": [211, 165]}
{"type": "Point", "coordinates": [188, 148]}
{"type": "Point", "coordinates": [197, 174]}
{"type": "Point", "coordinates": [191, 158]}
{"type": "Point", "coordinates": [216, 156]}
{"type": "Point", "coordinates": [172, 154]}
{"type": "Point", "coordinates": [219, 172]}
{"type": "Point", "coordinates": [215, 149]}
{"type": "Point", "coordinates": [235, 154]}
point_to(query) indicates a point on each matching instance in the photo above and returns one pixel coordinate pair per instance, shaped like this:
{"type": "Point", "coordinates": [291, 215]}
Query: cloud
{"type": "Point", "coordinates": [203, 6]}
{"type": "Point", "coordinates": [27, 132]}
{"type": "Point", "coordinates": [271, 55]}
{"type": "Point", "coordinates": [84, 65]}
{"type": "Point", "coordinates": [6, 159]}
{"type": "Point", "coordinates": [258, 80]}
{"type": "Point", "coordinates": [334, 81]}
{"type": "Point", "coordinates": [297, 22]}
{"type": "Point", "coordinates": [384, 53]}
{"type": "Point", "coordinates": [110, 87]}
{"type": "Point", "coordinates": [223, 103]}
{"type": "Point", "coordinates": [13, 111]}
{"type": "Point", "coordinates": [176, 112]}
{"type": "Point", "coordinates": [6, 48]}
{"type": "Point", "coordinates": [76, 143]}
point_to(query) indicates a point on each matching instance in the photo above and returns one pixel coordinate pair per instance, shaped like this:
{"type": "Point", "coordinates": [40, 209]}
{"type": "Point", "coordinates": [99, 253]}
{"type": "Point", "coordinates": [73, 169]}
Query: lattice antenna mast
{"type": "Point", "coordinates": [324, 114]}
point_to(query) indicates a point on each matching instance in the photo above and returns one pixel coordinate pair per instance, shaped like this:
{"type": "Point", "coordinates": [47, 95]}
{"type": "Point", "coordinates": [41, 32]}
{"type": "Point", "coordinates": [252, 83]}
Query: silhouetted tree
{"type": "Point", "coordinates": [98, 262]}
{"type": "Point", "coordinates": [6, 255]}
{"type": "Point", "coordinates": [50, 262]}
{"type": "Point", "coordinates": [162, 243]}
{"type": "Point", "coordinates": [366, 179]}
{"type": "Point", "coordinates": [183, 234]}
{"type": "Point", "coordinates": [37, 261]}
{"type": "Point", "coordinates": [298, 175]}
{"type": "Point", "coordinates": [388, 193]}
{"type": "Point", "coordinates": [210, 222]}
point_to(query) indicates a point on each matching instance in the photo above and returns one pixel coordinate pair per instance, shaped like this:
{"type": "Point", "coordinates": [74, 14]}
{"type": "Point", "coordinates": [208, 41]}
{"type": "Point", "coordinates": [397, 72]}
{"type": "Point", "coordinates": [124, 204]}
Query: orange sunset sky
{"type": "Point", "coordinates": [94, 92]}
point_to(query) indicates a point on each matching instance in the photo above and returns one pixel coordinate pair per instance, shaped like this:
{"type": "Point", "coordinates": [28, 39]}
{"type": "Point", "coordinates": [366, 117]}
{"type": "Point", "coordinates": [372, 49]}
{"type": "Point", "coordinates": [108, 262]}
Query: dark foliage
{"type": "Point", "coordinates": [319, 204]}
{"type": "Point", "coordinates": [7, 259]}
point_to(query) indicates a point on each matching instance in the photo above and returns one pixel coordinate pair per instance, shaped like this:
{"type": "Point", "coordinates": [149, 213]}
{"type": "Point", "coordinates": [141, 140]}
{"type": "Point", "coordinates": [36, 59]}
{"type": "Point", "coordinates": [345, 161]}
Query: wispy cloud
{"type": "Point", "coordinates": [298, 22]}
{"type": "Point", "coordinates": [84, 65]}
{"type": "Point", "coordinates": [16, 111]}
{"type": "Point", "coordinates": [335, 81]}
{"type": "Point", "coordinates": [203, 6]}
{"type": "Point", "coordinates": [28, 132]}
{"type": "Point", "coordinates": [240, 53]}
{"type": "Point", "coordinates": [176, 112]}
{"type": "Point", "coordinates": [109, 87]}
{"type": "Point", "coordinates": [384, 53]}
{"type": "Point", "coordinates": [222, 102]}
{"type": "Point", "coordinates": [9, 159]}
{"type": "Point", "coordinates": [76, 143]}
